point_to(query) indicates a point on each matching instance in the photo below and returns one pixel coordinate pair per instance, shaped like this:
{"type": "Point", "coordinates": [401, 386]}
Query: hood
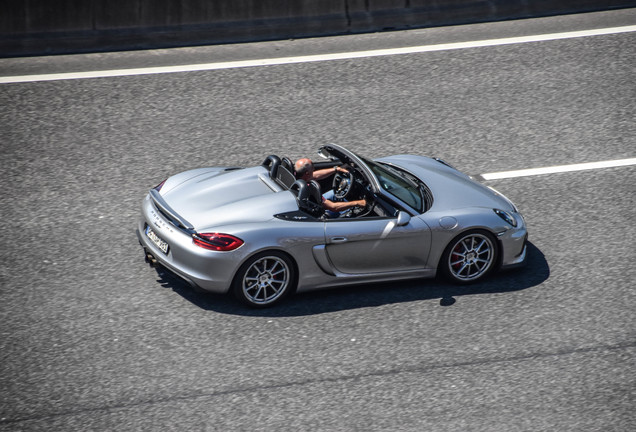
{"type": "Point", "coordinates": [217, 197]}
{"type": "Point", "coordinates": [451, 188]}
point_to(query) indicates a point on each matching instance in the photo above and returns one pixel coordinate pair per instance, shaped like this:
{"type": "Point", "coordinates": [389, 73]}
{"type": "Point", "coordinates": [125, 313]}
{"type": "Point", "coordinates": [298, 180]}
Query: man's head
{"type": "Point", "coordinates": [304, 169]}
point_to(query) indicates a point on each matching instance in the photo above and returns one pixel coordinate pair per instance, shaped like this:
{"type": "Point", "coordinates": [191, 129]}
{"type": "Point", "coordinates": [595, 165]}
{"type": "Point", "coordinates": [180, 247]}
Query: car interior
{"type": "Point", "coordinates": [345, 186]}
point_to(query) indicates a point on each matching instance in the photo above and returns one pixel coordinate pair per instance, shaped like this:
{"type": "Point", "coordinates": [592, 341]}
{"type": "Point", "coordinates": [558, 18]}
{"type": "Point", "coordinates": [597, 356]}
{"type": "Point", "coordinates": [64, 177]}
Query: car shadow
{"type": "Point", "coordinates": [535, 271]}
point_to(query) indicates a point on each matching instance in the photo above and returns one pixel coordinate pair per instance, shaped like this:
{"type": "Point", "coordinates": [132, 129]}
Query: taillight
{"type": "Point", "coordinates": [217, 241]}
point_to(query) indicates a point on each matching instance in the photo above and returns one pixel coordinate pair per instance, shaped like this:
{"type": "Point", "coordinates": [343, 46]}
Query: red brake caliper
{"type": "Point", "coordinates": [456, 253]}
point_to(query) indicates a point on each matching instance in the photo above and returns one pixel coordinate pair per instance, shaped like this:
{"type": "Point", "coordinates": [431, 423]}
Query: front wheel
{"type": "Point", "coordinates": [469, 257]}
{"type": "Point", "coordinates": [264, 279]}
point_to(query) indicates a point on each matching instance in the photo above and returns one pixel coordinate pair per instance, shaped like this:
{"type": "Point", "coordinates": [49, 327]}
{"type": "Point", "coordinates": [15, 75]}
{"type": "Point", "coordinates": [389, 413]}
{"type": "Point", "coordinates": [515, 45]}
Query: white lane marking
{"type": "Point", "coordinates": [559, 169]}
{"type": "Point", "coordinates": [315, 58]}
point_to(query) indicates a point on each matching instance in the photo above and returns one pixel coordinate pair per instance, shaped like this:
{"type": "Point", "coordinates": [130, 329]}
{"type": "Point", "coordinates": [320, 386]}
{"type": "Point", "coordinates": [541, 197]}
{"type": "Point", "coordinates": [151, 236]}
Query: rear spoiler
{"type": "Point", "coordinates": [168, 212]}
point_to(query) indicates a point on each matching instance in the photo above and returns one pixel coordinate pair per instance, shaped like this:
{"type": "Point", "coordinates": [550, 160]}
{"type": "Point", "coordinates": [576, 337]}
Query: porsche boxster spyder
{"type": "Point", "coordinates": [261, 233]}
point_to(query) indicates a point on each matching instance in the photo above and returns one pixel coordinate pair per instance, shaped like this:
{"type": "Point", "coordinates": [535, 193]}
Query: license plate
{"type": "Point", "coordinates": [162, 245]}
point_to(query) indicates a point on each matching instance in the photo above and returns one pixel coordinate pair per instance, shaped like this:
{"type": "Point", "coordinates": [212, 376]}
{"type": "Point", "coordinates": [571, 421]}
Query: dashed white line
{"type": "Point", "coordinates": [559, 169]}
{"type": "Point", "coordinates": [315, 58]}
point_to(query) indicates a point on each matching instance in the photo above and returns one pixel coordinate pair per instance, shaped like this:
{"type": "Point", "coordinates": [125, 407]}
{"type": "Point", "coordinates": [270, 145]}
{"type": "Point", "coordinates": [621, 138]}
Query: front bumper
{"type": "Point", "coordinates": [519, 260]}
{"type": "Point", "coordinates": [515, 245]}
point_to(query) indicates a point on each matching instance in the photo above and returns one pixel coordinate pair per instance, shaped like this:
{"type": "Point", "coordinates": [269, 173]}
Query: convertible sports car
{"type": "Point", "coordinates": [262, 234]}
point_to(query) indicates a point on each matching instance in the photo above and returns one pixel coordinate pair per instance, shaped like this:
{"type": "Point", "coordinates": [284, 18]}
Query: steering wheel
{"type": "Point", "coordinates": [342, 184]}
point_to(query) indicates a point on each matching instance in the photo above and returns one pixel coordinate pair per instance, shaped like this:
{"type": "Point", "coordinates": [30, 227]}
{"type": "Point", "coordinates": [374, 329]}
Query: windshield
{"type": "Point", "coordinates": [397, 185]}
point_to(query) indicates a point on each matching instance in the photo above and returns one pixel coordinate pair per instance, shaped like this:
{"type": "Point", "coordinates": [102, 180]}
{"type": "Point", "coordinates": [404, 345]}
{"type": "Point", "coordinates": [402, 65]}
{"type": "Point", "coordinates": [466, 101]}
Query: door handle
{"type": "Point", "coordinates": [338, 239]}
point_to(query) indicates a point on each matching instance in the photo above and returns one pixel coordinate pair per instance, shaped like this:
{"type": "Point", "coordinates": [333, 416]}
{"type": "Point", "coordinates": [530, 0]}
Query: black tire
{"type": "Point", "coordinates": [469, 257]}
{"type": "Point", "coordinates": [265, 279]}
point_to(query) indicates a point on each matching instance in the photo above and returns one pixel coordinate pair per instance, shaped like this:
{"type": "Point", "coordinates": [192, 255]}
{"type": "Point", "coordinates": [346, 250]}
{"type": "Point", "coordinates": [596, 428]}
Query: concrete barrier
{"type": "Point", "coordinates": [37, 27]}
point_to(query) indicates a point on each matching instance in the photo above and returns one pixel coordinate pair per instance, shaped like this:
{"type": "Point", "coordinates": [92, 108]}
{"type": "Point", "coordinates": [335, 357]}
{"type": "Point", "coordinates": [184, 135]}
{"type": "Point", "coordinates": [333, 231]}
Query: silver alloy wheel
{"type": "Point", "coordinates": [471, 257]}
{"type": "Point", "coordinates": [266, 280]}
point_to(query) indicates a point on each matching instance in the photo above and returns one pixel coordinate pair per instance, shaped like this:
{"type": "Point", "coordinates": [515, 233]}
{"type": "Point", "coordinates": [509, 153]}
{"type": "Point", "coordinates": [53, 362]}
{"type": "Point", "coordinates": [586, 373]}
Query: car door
{"type": "Point", "coordinates": [377, 245]}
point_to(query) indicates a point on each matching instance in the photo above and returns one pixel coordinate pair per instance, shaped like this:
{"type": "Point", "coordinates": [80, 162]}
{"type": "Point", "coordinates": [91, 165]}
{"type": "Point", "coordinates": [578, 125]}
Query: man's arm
{"type": "Point", "coordinates": [338, 206]}
{"type": "Point", "coordinates": [321, 174]}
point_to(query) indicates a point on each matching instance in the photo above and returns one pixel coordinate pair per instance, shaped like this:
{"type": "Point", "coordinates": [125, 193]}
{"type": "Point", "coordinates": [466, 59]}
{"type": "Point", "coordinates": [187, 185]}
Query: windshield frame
{"type": "Point", "coordinates": [364, 166]}
{"type": "Point", "coordinates": [387, 174]}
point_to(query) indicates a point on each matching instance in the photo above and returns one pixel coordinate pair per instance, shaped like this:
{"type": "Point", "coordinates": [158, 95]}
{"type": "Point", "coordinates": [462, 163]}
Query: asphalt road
{"type": "Point", "coordinates": [91, 338]}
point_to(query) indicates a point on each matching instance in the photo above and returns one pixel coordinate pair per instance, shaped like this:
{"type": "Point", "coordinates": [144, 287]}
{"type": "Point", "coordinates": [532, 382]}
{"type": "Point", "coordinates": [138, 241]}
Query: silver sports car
{"type": "Point", "coordinates": [262, 233]}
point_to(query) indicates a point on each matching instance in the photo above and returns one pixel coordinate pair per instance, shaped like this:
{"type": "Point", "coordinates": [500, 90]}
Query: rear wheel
{"type": "Point", "coordinates": [469, 257]}
{"type": "Point", "coordinates": [265, 279]}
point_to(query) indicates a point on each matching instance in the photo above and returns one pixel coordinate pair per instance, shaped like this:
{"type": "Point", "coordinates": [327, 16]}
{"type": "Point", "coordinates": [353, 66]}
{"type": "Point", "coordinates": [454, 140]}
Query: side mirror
{"type": "Point", "coordinates": [403, 218]}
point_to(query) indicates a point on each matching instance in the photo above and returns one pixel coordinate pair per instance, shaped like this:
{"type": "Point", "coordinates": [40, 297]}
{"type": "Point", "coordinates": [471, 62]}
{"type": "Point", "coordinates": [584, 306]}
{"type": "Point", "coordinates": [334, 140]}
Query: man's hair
{"type": "Point", "coordinates": [302, 167]}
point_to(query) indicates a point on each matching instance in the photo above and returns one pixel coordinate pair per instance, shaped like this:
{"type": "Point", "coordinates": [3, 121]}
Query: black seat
{"type": "Point", "coordinates": [287, 163]}
{"type": "Point", "coordinates": [272, 162]}
{"type": "Point", "coordinates": [308, 197]}
{"type": "Point", "coordinates": [314, 192]}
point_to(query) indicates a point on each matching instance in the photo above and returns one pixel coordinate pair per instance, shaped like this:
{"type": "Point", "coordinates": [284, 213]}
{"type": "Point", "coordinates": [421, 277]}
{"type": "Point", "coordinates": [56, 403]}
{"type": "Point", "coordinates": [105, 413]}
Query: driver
{"type": "Point", "coordinates": [305, 170]}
